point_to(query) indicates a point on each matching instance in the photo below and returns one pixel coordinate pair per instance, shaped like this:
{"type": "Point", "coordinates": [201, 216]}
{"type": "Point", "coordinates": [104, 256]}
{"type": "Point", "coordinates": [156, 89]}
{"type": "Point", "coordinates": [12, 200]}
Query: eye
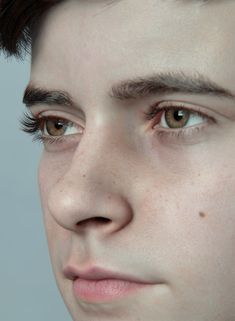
{"type": "Point", "coordinates": [55, 127]}
{"type": "Point", "coordinates": [179, 123]}
{"type": "Point", "coordinates": [176, 118]}
{"type": "Point", "coordinates": [56, 133]}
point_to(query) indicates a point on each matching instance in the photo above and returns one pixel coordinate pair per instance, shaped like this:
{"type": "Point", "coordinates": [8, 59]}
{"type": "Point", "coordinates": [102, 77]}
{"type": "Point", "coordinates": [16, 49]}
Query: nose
{"type": "Point", "coordinates": [91, 194]}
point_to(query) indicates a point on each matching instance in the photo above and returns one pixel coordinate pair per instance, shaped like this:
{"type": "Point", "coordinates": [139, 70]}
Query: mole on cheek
{"type": "Point", "coordinates": [202, 214]}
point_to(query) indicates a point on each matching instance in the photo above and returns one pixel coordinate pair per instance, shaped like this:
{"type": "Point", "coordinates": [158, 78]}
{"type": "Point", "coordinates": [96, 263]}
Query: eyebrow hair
{"type": "Point", "coordinates": [37, 95]}
{"type": "Point", "coordinates": [139, 87]}
{"type": "Point", "coordinates": [168, 83]}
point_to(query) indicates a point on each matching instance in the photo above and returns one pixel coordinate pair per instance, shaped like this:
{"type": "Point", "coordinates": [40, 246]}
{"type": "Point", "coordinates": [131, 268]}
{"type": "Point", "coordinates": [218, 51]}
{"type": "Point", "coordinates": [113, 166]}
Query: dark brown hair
{"type": "Point", "coordinates": [17, 20]}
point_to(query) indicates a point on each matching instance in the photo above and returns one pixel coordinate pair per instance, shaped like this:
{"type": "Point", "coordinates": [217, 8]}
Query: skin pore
{"type": "Point", "coordinates": [123, 191]}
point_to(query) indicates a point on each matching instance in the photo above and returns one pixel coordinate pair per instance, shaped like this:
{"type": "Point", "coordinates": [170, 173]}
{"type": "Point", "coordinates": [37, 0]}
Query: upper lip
{"type": "Point", "coordinates": [98, 273]}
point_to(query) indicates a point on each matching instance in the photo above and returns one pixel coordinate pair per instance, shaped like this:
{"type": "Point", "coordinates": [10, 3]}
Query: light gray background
{"type": "Point", "coordinates": [28, 290]}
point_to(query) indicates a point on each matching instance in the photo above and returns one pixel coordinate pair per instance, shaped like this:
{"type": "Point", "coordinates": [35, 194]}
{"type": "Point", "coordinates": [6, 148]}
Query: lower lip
{"type": "Point", "coordinates": [104, 290]}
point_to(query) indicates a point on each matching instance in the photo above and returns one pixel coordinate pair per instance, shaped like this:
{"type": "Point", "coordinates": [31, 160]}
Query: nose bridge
{"type": "Point", "coordinates": [92, 186]}
{"type": "Point", "coordinates": [98, 158]}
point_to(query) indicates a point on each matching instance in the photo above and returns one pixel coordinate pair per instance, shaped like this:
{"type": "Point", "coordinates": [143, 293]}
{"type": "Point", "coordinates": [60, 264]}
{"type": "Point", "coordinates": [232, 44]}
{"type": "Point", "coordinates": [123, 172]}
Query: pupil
{"type": "Point", "coordinates": [178, 115]}
{"type": "Point", "coordinates": [59, 125]}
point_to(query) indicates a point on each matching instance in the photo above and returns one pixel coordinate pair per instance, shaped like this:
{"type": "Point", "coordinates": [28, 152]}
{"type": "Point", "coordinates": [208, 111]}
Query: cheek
{"type": "Point", "coordinates": [47, 178]}
{"type": "Point", "coordinates": [190, 220]}
{"type": "Point", "coordinates": [50, 171]}
{"type": "Point", "coordinates": [44, 178]}
{"type": "Point", "coordinates": [52, 167]}
{"type": "Point", "coordinates": [59, 241]}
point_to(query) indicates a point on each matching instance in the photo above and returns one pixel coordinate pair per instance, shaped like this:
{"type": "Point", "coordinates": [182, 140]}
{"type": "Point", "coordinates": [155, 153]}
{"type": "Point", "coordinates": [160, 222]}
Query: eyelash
{"type": "Point", "coordinates": [32, 125]}
{"type": "Point", "coordinates": [155, 110]}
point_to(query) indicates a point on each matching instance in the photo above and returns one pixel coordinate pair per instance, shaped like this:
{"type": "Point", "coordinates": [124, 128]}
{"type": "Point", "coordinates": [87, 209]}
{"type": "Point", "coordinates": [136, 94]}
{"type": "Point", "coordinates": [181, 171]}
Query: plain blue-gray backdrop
{"type": "Point", "coordinates": [28, 290]}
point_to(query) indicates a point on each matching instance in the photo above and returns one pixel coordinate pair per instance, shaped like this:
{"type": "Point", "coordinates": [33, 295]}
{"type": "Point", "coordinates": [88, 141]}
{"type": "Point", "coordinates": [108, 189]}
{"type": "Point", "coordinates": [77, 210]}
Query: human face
{"type": "Point", "coordinates": [131, 194]}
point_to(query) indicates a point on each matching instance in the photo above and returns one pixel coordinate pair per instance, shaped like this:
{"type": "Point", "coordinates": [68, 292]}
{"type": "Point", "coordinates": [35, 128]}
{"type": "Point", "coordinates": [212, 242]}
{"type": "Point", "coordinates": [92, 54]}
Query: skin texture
{"type": "Point", "coordinates": [168, 200]}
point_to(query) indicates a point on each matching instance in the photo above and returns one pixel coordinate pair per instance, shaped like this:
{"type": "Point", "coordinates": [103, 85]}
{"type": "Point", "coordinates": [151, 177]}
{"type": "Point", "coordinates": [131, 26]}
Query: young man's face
{"type": "Point", "coordinates": [151, 197]}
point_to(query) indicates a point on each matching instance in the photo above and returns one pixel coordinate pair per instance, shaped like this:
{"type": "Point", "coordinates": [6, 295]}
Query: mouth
{"type": "Point", "coordinates": [99, 285]}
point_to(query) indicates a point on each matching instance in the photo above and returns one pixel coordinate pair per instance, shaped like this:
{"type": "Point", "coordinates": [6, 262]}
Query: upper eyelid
{"type": "Point", "coordinates": [177, 105]}
{"type": "Point", "coordinates": [72, 115]}
{"type": "Point", "coordinates": [71, 119]}
{"type": "Point", "coordinates": [163, 105]}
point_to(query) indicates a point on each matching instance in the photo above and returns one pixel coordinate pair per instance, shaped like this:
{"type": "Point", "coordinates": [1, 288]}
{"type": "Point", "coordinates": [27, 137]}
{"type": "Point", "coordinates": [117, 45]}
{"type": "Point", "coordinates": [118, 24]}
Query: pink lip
{"type": "Point", "coordinates": [100, 285]}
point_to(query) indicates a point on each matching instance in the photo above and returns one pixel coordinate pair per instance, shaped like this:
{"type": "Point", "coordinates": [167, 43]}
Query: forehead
{"type": "Point", "coordinates": [131, 37]}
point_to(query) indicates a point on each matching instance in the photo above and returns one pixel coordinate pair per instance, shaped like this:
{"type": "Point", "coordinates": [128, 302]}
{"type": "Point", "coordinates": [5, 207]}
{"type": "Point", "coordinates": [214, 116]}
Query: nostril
{"type": "Point", "coordinates": [98, 220]}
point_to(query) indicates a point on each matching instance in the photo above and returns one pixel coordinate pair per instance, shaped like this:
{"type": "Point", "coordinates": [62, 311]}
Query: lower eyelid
{"type": "Point", "coordinates": [184, 137]}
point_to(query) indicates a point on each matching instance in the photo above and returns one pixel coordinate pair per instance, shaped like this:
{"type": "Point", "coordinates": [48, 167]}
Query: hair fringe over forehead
{"type": "Point", "coordinates": [17, 19]}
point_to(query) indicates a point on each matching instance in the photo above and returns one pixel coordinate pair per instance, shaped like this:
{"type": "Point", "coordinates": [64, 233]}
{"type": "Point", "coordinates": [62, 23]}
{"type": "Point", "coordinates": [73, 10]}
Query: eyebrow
{"type": "Point", "coordinates": [37, 95]}
{"type": "Point", "coordinates": [169, 83]}
{"type": "Point", "coordinates": [137, 88]}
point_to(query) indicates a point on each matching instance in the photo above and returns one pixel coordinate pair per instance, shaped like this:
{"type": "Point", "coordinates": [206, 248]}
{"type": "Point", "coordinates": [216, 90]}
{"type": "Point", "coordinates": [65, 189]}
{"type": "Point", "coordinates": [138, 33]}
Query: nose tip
{"type": "Point", "coordinates": [80, 209]}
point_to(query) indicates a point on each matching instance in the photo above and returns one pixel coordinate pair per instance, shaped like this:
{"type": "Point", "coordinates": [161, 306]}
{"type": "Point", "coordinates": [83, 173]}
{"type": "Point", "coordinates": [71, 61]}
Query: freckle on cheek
{"type": "Point", "coordinates": [202, 214]}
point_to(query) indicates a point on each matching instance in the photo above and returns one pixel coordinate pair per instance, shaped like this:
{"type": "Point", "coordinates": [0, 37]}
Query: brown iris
{"type": "Point", "coordinates": [56, 127]}
{"type": "Point", "coordinates": [177, 118]}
